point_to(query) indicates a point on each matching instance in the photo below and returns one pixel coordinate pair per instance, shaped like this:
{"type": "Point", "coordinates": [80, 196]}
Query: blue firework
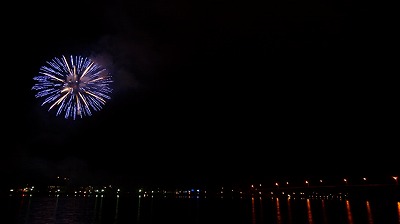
{"type": "Point", "coordinates": [76, 86]}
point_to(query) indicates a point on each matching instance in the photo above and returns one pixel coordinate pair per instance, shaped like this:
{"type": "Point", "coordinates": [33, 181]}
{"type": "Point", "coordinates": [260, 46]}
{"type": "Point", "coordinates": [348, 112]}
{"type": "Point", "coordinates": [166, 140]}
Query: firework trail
{"type": "Point", "coordinates": [76, 87]}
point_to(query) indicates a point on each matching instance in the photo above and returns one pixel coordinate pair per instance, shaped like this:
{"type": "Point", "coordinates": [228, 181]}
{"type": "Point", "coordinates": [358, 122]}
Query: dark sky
{"type": "Point", "coordinates": [204, 91]}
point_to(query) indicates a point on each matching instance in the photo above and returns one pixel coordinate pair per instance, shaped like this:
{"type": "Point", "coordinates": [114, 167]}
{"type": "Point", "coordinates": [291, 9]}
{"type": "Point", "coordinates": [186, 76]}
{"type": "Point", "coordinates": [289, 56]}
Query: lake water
{"type": "Point", "coordinates": [175, 210]}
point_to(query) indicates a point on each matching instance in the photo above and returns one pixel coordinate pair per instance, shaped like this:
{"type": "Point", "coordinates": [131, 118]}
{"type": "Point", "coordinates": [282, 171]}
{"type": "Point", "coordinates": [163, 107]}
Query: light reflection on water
{"type": "Point", "coordinates": [289, 211]}
{"type": "Point", "coordinates": [349, 214]}
{"type": "Point", "coordinates": [309, 212]}
{"type": "Point", "coordinates": [369, 213]}
{"type": "Point", "coordinates": [278, 212]}
{"type": "Point", "coordinates": [138, 209]}
{"type": "Point", "coordinates": [253, 211]}
{"type": "Point", "coordinates": [144, 210]}
{"type": "Point", "coordinates": [398, 211]}
{"type": "Point", "coordinates": [324, 216]}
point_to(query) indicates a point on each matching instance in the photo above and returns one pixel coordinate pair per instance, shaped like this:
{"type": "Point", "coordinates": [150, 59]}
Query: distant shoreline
{"type": "Point", "coordinates": [308, 192]}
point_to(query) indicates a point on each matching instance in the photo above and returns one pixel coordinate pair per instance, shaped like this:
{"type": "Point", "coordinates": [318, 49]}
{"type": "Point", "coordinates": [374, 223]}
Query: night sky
{"type": "Point", "coordinates": [204, 91]}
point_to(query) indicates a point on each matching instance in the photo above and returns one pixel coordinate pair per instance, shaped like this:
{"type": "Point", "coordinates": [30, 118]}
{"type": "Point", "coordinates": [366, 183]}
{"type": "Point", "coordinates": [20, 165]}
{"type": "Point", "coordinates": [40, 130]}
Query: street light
{"type": "Point", "coordinates": [365, 179]}
{"type": "Point", "coordinates": [395, 178]}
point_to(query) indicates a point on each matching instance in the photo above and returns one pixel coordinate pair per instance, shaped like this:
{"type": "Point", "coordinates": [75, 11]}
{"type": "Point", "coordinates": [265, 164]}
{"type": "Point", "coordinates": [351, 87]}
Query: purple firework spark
{"type": "Point", "coordinates": [75, 87]}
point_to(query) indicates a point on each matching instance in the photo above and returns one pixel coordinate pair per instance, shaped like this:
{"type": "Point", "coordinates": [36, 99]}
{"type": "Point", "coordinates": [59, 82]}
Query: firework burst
{"type": "Point", "coordinates": [75, 87]}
